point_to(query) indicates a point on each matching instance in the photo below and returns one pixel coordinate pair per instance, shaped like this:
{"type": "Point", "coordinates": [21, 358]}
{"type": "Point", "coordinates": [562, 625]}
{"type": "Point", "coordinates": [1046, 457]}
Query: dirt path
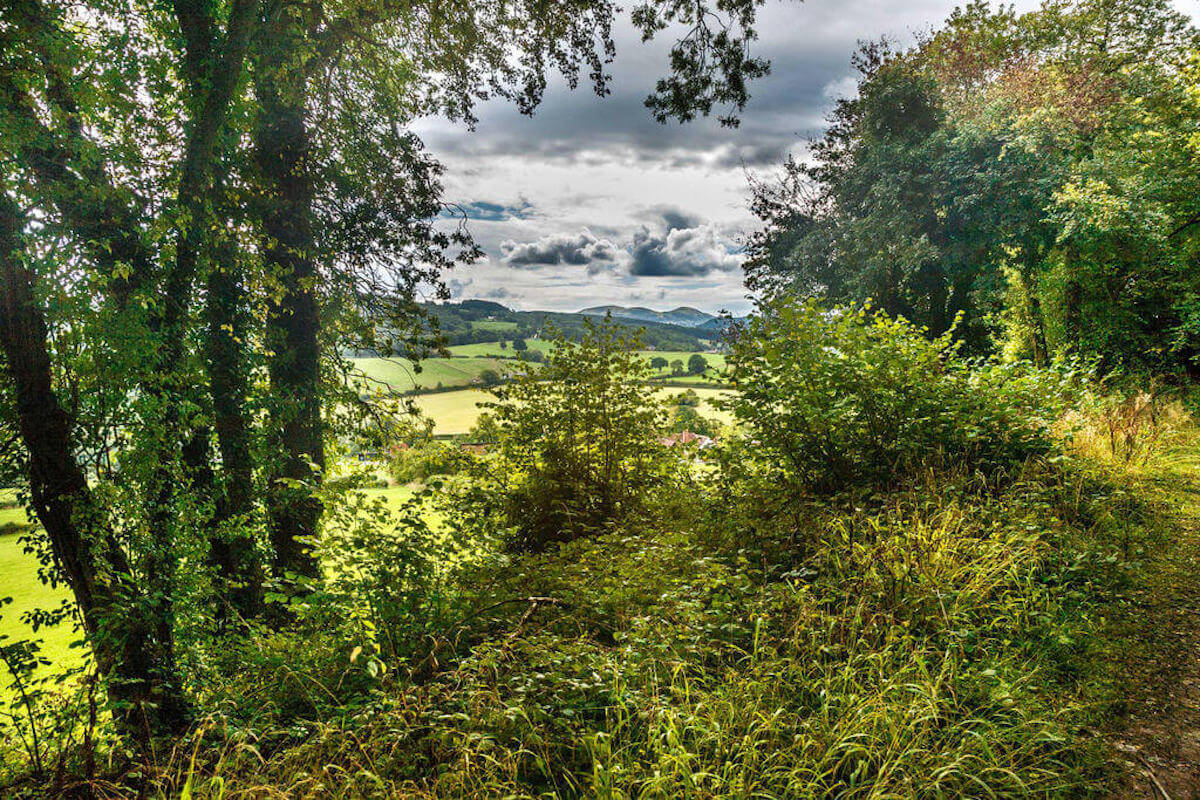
{"type": "Point", "coordinates": [1158, 659]}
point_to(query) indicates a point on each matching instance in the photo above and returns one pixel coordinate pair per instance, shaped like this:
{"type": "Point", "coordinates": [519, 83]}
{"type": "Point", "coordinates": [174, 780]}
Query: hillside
{"type": "Point", "coordinates": [475, 321]}
{"type": "Point", "coordinates": [684, 316]}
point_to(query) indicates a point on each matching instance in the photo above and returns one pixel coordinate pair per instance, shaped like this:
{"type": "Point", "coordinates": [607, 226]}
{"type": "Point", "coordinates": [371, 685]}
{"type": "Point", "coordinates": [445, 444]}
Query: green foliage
{"type": "Point", "coordinates": [388, 571]}
{"type": "Point", "coordinates": [425, 460]}
{"type": "Point", "coordinates": [849, 399]}
{"type": "Point", "coordinates": [697, 364]}
{"type": "Point", "coordinates": [1034, 174]}
{"type": "Point", "coordinates": [924, 648]}
{"type": "Point", "coordinates": [578, 440]}
{"type": "Point", "coordinates": [687, 418]}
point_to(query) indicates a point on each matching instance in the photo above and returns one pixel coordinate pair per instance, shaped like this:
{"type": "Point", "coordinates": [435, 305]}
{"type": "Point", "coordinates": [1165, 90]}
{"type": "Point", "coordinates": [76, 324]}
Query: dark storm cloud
{"type": "Point", "coordinates": [682, 247]}
{"type": "Point", "coordinates": [787, 106]}
{"type": "Point", "coordinates": [675, 218]}
{"type": "Point", "coordinates": [559, 249]}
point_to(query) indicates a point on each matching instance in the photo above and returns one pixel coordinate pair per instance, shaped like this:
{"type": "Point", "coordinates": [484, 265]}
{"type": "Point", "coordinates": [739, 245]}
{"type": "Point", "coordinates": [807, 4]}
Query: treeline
{"type": "Point", "coordinates": [1030, 180]}
{"type": "Point", "coordinates": [457, 323]}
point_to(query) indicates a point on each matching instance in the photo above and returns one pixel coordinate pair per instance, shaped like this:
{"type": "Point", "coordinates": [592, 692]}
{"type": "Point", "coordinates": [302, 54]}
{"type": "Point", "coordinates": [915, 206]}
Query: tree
{"type": "Point", "coordinates": [697, 364]}
{"type": "Point", "coordinates": [489, 377]}
{"type": "Point", "coordinates": [578, 440]}
{"type": "Point", "coordinates": [520, 345]}
{"type": "Point", "coordinates": [677, 367]}
{"type": "Point", "coordinates": [1022, 174]}
{"type": "Point", "coordinates": [687, 418]}
{"type": "Point", "coordinates": [658, 363]}
{"type": "Point", "coordinates": [199, 194]}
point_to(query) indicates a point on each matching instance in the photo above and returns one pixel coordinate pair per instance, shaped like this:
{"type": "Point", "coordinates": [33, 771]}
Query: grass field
{"type": "Point", "coordinates": [19, 581]}
{"type": "Point", "coordinates": [494, 325]}
{"type": "Point", "coordinates": [400, 376]}
{"type": "Point", "coordinates": [470, 360]}
{"type": "Point", "coordinates": [454, 413]}
{"type": "Point", "coordinates": [494, 349]}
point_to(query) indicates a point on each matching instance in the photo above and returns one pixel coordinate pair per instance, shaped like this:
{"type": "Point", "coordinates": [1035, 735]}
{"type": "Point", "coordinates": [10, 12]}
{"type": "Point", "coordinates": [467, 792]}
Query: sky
{"type": "Point", "coordinates": [591, 202]}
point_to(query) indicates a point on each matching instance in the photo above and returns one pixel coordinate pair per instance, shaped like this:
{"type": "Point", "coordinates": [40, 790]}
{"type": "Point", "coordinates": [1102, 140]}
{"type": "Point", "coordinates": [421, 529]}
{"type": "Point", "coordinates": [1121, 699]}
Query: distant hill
{"type": "Point", "coordinates": [683, 316]}
{"type": "Point", "coordinates": [472, 321]}
{"type": "Point", "coordinates": [717, 326]}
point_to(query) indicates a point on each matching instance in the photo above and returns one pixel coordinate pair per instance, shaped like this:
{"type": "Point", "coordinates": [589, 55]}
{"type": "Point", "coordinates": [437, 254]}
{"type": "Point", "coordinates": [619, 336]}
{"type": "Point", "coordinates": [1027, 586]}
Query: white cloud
{"type": "Point", "coordinates": [603, 167]}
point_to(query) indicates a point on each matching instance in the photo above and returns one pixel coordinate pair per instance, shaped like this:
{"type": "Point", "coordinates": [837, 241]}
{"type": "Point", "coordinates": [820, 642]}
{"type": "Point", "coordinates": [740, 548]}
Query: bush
{"type": "Point", "coordinates": [687, 418]}
{"type": "Point", "coordinates": [425, 460]}
{"type": "Point", "coordinates": [850, 399]}
{"type": "Point", "coordinates": [578, 441]}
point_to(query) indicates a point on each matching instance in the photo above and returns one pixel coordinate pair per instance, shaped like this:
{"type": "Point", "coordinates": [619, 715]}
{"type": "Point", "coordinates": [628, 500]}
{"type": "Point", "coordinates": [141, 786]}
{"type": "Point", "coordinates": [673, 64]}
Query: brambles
{"type": "Point", "coordinates": [848, 400]}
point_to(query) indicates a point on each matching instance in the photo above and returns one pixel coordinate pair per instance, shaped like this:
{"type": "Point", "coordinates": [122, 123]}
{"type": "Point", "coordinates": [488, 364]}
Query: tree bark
{"type": "Point", "coordinates": [126, 643]}
{"type": "Point", "coordinates": [1034, 318]}
{"type": "Point", "coordinates": [293, 325]}
{"type": "Point", "coordinates": [231, 549]}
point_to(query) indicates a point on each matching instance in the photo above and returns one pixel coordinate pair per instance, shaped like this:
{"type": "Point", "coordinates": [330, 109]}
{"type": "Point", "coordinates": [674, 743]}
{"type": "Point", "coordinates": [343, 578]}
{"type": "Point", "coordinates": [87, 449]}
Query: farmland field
{"type": "Point", "coordinates": [494, 349]}
{"type": "Point", "coordinates": [470, 360]}
{"type": "Point", "coordinates": [399, 375]}
{"type": "Point", "coordinates": [454, 413]}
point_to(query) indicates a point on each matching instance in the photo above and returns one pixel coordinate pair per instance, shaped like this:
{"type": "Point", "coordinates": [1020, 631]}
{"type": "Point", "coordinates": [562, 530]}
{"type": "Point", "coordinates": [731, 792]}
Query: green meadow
{"type": "Point", "coordinates": [20, 583]}
{"type": "Point", "coordinates": [455, 413]}
{"type": "Point", "coordinates": [468, 362]}
{"type": "Point", "coordinates": [398, 375]}
{"type": "Point", "coordinates": [493, 349]}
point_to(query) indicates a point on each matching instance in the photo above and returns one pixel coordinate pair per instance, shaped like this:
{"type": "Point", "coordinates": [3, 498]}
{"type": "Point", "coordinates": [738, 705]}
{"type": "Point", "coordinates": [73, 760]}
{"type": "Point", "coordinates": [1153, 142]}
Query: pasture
{"type": "Point", "coordinates": [399, 376]}
{"type": "Point", "coordinates": [455, 413]}
{"type": "Point", "coordinates": [493, 349]}
{"type": "Point", "coordinates": [468, 362]}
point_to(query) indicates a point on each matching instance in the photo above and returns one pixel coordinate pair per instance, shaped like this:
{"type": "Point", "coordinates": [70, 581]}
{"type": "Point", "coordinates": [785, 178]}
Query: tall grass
{"type": "Point", "coordinates": [936, 645]}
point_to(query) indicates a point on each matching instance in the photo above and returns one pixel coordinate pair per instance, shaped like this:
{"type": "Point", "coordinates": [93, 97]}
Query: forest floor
{"type": "Point", "coordinates": [1156, 647]}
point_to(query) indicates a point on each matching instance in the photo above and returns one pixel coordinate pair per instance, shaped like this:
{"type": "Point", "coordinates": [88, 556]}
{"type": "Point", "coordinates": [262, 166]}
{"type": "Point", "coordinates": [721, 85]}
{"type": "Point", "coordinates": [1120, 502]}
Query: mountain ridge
{"type": "Point", "coordinates": [683, 315]}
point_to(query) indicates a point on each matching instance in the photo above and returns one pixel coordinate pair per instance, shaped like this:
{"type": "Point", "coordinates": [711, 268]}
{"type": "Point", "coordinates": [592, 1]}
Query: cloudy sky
{"type": "Point", "coordinates": [591, 202]}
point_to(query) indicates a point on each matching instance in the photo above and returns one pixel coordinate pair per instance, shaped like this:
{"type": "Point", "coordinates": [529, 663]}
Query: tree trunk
{"type": "Point", "coordinates": [232, 549]}
{"type": "Point", "coordinates": [293, 325]}
{"type": "Point", "coordinates": [126, 642]}
{"type": "Point", "coordinates": [1037, 322]}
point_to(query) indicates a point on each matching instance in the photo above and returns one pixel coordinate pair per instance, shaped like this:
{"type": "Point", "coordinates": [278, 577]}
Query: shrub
{"type": "Point", "coordinates": [853, 399]}
{"type": "Point", "coordinates": [425, 460]}
{"type": "Point", "coordinates": [578, 440]}
{"type": "Point", "coordinates": [687, 418]}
